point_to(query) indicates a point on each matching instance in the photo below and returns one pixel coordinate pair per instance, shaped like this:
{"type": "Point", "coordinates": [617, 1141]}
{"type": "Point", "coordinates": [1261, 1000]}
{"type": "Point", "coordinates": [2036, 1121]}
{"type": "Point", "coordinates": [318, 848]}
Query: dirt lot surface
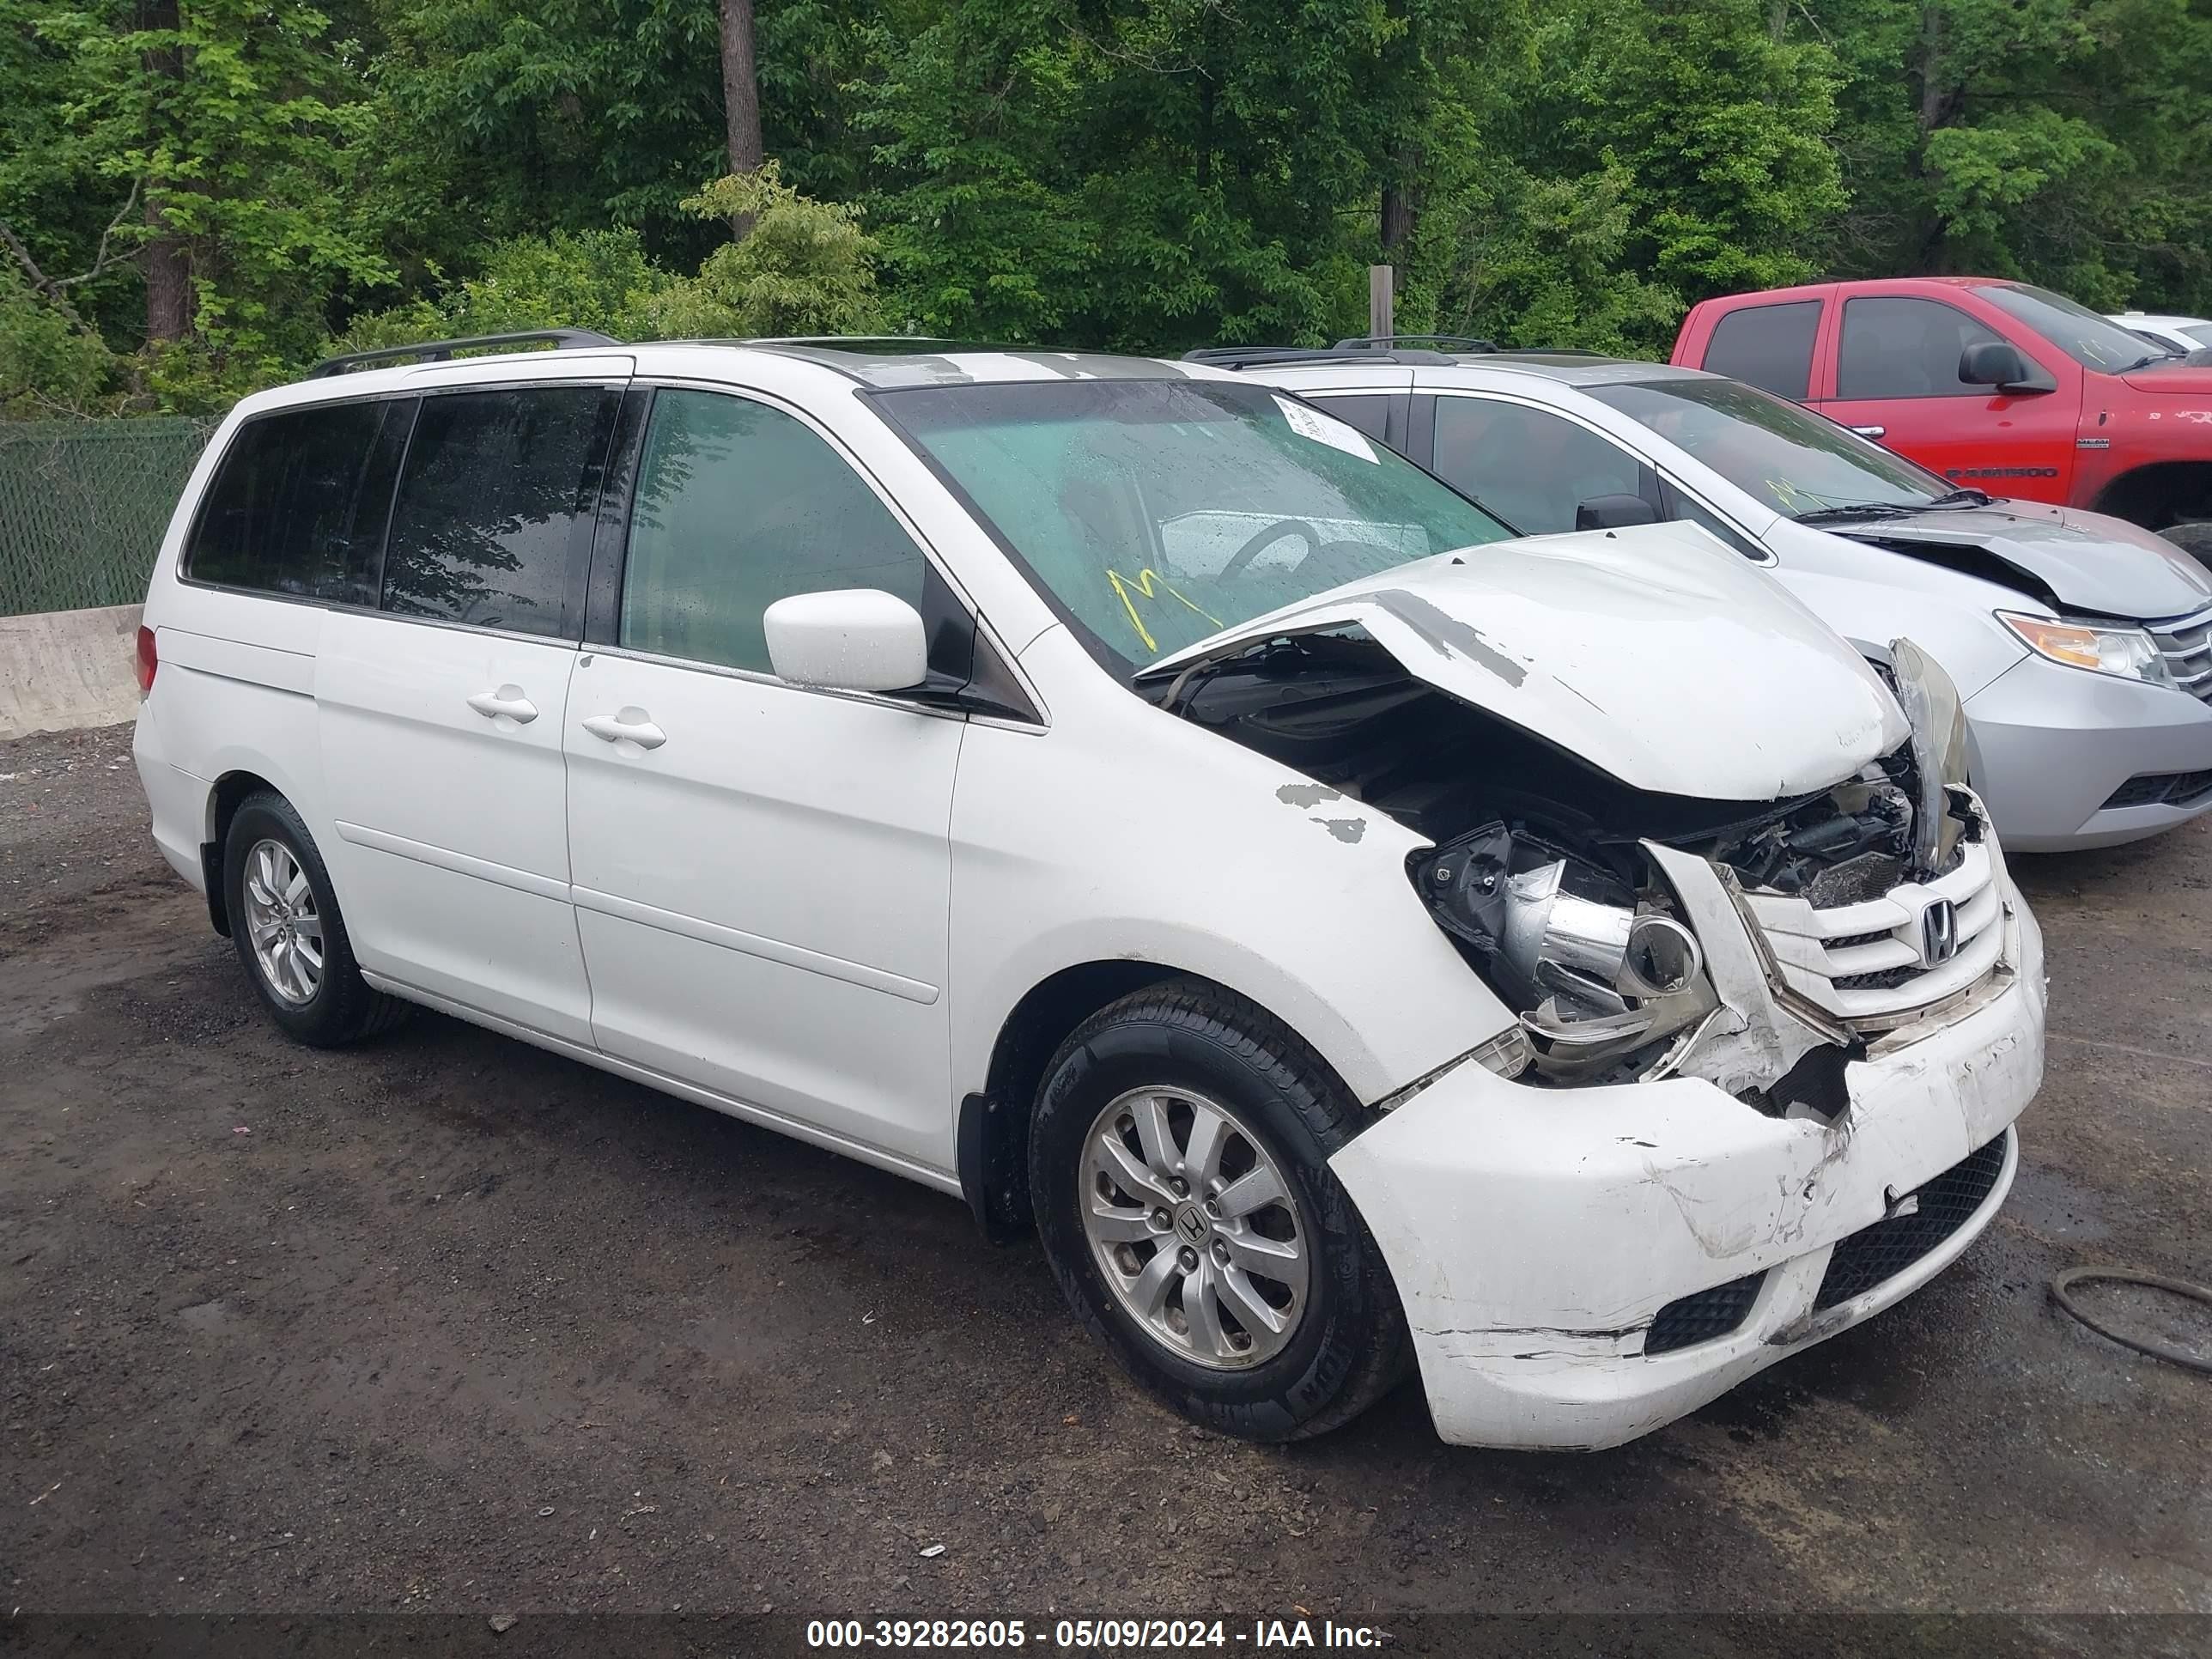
{"type": "Point", "coordinates": [450, 1324]}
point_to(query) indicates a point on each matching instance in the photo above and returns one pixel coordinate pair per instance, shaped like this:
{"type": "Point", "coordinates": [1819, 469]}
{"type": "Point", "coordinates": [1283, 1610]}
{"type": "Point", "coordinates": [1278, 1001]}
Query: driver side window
{"type": "Point", "coordinates": [740, 505]}
{"type": "Point", "coordinates": [1529, 466]}
{"type": "Point", "coordinates": [1906, 348]}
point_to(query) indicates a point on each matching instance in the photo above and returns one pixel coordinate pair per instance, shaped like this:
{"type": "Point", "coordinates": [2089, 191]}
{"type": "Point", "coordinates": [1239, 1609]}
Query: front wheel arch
{"type": "Point", "coordinates": [2161, 495]}
{"type": "Point", "coordinates": [991, 1139]}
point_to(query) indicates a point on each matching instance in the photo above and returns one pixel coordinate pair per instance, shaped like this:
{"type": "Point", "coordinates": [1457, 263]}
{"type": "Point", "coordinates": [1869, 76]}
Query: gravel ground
{"type": "Point", "coordinates": [448, 1324]}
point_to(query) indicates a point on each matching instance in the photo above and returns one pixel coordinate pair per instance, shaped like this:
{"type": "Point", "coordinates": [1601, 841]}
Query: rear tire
{"type": "Point", "coordinates": [285, 923]}
{"type": "Point", "coordinates": [1234, 1106]}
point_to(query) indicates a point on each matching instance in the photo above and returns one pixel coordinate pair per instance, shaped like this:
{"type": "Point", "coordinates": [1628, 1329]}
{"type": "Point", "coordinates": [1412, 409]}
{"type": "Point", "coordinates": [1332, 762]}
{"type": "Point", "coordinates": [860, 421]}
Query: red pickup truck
{"type": "Point", "coordinates": [1998, 385]}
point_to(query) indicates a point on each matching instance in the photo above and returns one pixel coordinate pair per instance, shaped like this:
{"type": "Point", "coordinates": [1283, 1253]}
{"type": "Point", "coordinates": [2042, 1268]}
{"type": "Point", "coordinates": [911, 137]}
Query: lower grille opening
{"type": "Point", "coordinates": [1882, 979]}
{"type": "Point", "coordinates": [1689, 1320]}
{"type": "Point", "coordinates": [2162, 789]}
{"type": "Point", "coordinates": [1943, 1205]}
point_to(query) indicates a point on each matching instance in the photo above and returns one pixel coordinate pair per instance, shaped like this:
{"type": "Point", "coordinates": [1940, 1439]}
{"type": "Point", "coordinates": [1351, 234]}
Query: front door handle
{"type": "Point", "coordinates": [1871, 431]}
{"type": "Point", "coordinates": [507, 702]}
{"type": "Point", "coordinates": [631, 725]}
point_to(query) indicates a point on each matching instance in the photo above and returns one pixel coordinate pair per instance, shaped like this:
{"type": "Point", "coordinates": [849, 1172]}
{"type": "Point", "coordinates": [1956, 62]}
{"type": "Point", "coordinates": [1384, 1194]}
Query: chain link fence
{"type": "Point", "coordinates": [84, 505]}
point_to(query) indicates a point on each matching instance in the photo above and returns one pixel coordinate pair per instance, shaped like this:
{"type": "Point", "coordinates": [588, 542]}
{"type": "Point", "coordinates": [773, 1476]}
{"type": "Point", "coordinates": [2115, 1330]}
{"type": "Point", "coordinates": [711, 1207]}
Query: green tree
{"type": "Point", "coordinates": [805, 267]}
{"type": "Point", "coordinates": [800, 266]}
{"type": "Point", "coordinates": [500, 118]}
{"type": "Point", "coordinates": [594, 279]}
{"type": "Point", "coordinates": [1147, 173]}
{"type": "Point", "coordinates": [237, 124]}
{"type": "Point", "coordinates": [2067, 141]}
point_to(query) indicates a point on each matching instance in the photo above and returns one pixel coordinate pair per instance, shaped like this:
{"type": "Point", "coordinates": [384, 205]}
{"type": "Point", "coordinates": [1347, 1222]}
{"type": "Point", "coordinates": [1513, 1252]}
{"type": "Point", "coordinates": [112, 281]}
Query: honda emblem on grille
{"type": "Point", "coordinates": [1939, 931]}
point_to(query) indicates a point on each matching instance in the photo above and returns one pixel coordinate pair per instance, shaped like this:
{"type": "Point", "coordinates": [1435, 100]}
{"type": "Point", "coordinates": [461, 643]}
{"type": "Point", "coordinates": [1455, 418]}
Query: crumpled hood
{"type": "Point", "coordinates": [2090, 561]}
{"type": "Point", "coordinates": [1648, 652]}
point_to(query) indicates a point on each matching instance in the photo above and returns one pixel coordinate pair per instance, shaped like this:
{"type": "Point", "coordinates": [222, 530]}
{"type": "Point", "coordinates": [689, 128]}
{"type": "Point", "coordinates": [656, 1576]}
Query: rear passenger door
{"type": "Point", "coordinates": [762, 870]}
{"type": "Point", "coordinates": [440, 712]}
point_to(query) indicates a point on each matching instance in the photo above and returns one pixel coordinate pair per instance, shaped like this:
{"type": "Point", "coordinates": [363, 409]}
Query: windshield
{"type": "Point", "coordinates": [1155, 513]}
{"type": "Point", "coordinates": [2092, 341]}
{"type": "Point", "coordinates": [1789, 459]}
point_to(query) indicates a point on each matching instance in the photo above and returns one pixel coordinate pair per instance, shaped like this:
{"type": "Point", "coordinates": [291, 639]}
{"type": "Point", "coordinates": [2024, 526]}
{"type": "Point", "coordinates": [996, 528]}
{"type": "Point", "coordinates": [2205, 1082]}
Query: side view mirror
{"type": "Point", "coordinates": [1614, 512]}
{"type": "Point", "coordinates": [1994, 362]}
{"type": "Point", "coordinates": [852, 639]}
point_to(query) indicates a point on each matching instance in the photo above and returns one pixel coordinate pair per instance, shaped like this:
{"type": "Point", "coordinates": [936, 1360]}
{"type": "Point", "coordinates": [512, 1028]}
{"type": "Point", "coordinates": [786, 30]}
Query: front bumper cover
{"type": "Point", "coordinates": [2051, 744]}
{"type": "Point", "coordinates": [1534, 1234]}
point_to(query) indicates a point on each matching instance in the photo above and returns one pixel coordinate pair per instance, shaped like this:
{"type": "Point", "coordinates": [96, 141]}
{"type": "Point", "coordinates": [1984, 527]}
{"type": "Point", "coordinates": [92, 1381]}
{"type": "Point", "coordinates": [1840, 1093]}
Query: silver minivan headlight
{"type": "Point", "coordinates": [2128, 652]}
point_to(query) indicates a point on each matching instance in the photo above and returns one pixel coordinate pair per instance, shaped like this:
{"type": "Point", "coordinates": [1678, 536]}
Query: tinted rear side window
{"type": "Point", "coordinates": [1371, 415]}
{"type": "Point", "coordinates": [494, 510]}
{"type": "Point", "coordinates": [1529, 466]}
{"type": "Point", "coordinates": [1769, 346]}
{"type": "Point", "coordinates": [298, 505]}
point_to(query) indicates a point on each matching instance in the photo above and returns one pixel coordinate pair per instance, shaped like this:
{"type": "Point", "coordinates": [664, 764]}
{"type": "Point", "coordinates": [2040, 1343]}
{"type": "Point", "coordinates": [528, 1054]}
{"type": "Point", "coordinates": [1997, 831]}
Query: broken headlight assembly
{"type": "Point", "coordinates": [1588, 953]}
{"type": "Point", "coordinates": [1937, 716]}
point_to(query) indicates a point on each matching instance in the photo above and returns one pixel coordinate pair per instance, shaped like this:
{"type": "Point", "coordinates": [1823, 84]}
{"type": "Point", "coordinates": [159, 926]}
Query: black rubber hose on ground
{"type": "Point", "coordinates": [2061, 1287]}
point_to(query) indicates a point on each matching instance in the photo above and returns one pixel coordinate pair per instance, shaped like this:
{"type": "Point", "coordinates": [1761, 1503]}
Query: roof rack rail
{"type": "Point", "coordinates": [1239, 356]}
{"type": "Point", "coordinates": [439, 351]}
{"type": "Point", "coordinates": [1263, 356]}
{"type": "Point", "coordinates": [1421, 342]}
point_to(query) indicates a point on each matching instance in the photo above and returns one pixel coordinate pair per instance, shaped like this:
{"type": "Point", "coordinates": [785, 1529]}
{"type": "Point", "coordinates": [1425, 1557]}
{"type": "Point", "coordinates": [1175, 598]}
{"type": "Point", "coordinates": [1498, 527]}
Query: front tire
{"type": "Point", "coordinates": [2193, 537]}
{"type": "Point", "coordinates": [1179, 1169]}
{"type": "Point", "coordinates": [285, 922]}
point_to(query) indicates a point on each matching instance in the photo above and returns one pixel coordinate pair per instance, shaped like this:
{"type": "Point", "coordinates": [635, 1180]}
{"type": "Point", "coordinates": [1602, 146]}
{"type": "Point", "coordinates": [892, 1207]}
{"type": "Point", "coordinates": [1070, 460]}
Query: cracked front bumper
{"type": "Point", "coordinates": [1534, 1234]}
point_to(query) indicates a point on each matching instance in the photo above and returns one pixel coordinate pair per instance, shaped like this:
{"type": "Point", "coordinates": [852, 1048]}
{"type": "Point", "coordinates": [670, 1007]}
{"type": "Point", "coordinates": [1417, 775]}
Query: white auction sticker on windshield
{"type": "Point", "coordinates": [1325, 429]}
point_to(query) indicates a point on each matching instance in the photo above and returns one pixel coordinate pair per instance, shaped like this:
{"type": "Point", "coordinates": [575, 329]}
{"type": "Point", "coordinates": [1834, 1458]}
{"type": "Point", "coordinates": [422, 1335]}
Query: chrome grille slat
{"type": "Point", "coordinates": [1829, 957]}
{"type": "Point", "coordinates": [2186, 645]}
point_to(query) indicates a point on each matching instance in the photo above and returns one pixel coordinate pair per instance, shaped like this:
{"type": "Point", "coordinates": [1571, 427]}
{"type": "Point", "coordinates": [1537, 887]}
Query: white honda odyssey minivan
{"type": "Point", "coordinates": [1122, 795]}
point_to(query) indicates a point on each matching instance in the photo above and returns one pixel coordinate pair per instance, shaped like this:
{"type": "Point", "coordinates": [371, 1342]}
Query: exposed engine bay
{"type": "Point", "coordinates": [1538, 871]}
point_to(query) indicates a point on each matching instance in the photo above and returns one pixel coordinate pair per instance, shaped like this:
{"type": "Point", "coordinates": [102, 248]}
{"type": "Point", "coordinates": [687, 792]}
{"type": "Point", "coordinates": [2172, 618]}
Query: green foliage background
{"type": "Point", "coordinates": [1139, 175]}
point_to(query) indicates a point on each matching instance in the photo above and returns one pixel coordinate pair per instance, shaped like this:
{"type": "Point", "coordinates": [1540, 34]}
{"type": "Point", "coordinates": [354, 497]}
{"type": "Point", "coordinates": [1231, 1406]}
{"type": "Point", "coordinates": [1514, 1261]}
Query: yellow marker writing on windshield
{"type": "Point", "coordinates": [1143, 582]}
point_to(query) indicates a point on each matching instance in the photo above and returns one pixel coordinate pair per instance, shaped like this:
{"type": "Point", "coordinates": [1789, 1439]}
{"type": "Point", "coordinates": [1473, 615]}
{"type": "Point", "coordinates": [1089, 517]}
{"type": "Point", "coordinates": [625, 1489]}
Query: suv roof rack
{"type": "Point", "coordinates": [1263, 356]}
{"type": "Point", "coordinates": [1407, 349]}
{"type": "Point", "coordinates": [439, 351]}
{"type": "Point", "coordinates": [1424, 342]}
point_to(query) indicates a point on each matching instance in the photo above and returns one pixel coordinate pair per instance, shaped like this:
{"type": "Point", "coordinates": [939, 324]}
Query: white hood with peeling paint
{"type": "Point", "coordinates": [1647, 652]}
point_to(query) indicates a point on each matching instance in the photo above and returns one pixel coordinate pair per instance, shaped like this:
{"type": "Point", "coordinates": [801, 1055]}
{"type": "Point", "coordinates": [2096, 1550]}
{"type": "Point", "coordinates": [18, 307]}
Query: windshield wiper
{"type": "Point", "coordinates": [1963, 498]}
{"type": "Point", "coordinates": [2154, 357]}
{"type": "Point", "coordinates": [1853, 510]}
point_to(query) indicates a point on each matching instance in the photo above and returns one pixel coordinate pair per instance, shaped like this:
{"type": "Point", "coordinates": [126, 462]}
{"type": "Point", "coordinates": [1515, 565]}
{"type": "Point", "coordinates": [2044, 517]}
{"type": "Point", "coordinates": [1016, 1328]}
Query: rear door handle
{"type": "Point", "coordinates": [507, 701]}
{"type": "Point", "coordinates": [1871, 431]}
{"type": "Point", "coordinates": [631, 725]}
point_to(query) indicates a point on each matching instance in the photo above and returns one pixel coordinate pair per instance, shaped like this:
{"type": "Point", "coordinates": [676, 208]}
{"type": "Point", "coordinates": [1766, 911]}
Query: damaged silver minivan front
{"type": "Point", "coordinates": [1775, 1002]}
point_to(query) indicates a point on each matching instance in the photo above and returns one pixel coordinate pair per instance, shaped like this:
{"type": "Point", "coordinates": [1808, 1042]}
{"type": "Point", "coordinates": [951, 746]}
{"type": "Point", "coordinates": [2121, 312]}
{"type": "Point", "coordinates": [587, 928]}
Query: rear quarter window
{"type": "Point", "coordinates": [494, 512]}
{"type": "Point", "coordinates": [300, 503]}
{"type": "Point", "coordinates": [1770, 347]}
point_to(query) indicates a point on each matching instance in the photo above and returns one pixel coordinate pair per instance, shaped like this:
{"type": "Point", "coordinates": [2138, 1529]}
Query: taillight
{"type": "Point", "coordinates": [149, 660]}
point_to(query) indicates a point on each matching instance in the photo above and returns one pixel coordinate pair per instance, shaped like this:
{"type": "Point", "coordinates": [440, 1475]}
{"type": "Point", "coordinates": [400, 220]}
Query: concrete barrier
{"type": "Point", "coordinates": [60, 670]}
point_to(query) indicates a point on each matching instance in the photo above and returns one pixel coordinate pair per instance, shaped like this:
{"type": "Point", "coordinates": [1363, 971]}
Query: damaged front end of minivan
{"type": "Point", "coordinates": [1746, 1028]}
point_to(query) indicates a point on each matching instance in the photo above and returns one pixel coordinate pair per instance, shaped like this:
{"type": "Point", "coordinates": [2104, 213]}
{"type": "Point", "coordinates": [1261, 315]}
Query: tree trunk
{"type": "Point", "coordinates": [1397, 223]}
{"type": "Point", "coordinates": [169, 295]}
{"type": "Point", "coordinates": [740, 97]}
{"type": "Point", "coordinates": [1931, 68]}
{"type": "Point", "coordinates": [1400, 215]}
{"type": "Point", "coordinates": [1937, 105]}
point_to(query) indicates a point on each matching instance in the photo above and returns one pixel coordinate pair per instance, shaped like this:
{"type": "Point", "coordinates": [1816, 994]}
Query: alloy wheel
{"type": "Point", "coordinates": [282, 922]}
{"type": "Point", "coordinates": [1193, 1227]}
